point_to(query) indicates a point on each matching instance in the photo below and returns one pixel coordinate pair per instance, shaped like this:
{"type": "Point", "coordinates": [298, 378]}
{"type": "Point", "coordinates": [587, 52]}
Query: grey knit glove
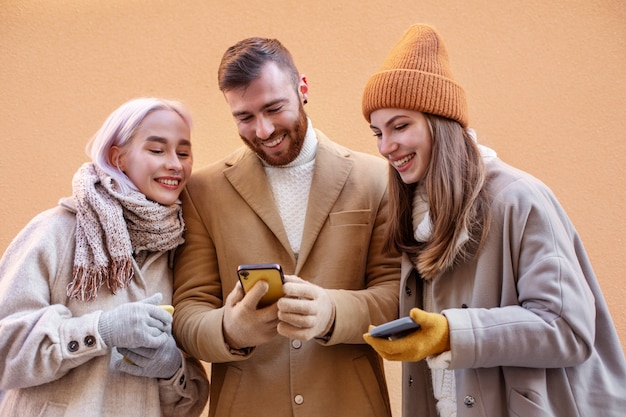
{"type": "Point", "coordinates": [137, 324]}
{"type": "Point", "coordinates": [161, 362]}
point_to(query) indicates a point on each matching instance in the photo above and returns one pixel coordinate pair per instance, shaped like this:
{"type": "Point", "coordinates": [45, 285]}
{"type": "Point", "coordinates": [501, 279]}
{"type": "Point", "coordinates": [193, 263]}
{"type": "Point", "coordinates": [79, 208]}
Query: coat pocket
{"type": "Point", "coordinates": [351, 217]}
{"type": "Point", "coordinates": [227, 393]}
{"type": "Point", "coordinates": [53, 410]}
{"type": "Point", "coordinates": [371, 384]}
{"type": "Point", "coordinates": [528, 405]}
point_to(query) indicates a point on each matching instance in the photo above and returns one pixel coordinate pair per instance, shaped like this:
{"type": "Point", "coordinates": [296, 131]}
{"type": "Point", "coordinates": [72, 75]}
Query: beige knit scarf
{"type": "Point", "coordinates": [111, 227]}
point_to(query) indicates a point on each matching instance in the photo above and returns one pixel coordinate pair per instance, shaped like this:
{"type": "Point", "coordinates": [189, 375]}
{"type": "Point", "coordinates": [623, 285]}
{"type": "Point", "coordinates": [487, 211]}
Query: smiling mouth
{"type": "Point", "coordinates": [403, 161]}
{"type": "Point", "coordinates": [171, 183]}
{"type": "Point", "coordinates": [274, 142]}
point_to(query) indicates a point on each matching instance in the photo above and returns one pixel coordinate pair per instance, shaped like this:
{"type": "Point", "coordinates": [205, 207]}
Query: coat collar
{"type": "Point", "coordinates": [332, 167]}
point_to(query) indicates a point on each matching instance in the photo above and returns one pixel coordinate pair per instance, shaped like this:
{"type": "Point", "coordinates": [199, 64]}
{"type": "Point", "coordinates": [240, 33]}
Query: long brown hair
{"type": "Point", "coordinates": [458, 202]}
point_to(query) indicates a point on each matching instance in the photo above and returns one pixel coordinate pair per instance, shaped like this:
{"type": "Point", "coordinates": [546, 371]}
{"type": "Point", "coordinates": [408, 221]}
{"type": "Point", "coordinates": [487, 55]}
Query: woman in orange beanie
{"type": "Point", "coordinates": [513, 321]}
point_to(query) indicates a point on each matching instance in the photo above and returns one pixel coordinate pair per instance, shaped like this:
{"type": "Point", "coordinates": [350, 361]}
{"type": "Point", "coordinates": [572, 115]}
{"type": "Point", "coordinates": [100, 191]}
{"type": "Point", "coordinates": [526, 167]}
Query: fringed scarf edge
{"type": "Point", "coordinates": [88, 280]}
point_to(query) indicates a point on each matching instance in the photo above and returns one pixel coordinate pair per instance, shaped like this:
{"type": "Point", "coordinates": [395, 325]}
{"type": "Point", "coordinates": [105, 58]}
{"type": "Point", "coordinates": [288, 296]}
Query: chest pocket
{"type": "Point", "coordinates": [347, 218]}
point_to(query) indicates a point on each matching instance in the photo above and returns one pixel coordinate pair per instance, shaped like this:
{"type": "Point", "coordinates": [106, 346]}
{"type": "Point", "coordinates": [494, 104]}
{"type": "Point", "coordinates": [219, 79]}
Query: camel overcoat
{"type": "Point", "coordinates": [232, 219]}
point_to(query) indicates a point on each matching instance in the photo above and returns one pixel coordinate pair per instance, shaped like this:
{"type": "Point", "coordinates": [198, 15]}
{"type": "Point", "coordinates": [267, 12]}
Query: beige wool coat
{"type": "Point", "coordinates": [530, 331]}
{"type": "Point", "coordinates": [53, 361]}
{"type": "Point", "coordinates": [231, 219]}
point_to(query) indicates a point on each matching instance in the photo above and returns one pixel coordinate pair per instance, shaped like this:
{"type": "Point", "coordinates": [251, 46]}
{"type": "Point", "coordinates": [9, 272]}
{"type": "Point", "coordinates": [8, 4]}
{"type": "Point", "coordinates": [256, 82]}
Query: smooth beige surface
{"type": "Point", "coordinates": [545, 81]}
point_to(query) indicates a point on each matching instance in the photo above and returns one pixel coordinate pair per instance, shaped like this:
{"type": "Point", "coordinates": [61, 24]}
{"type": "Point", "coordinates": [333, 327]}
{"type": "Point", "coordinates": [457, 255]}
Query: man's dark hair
{"type": "Point", "coordinates": [242, 63]}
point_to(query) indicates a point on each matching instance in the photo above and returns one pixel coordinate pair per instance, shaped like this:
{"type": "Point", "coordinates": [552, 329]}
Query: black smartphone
{"type": "Point", "coordinates": [395, 329]}
{"type": "Point", "coordinates": [249, 274]}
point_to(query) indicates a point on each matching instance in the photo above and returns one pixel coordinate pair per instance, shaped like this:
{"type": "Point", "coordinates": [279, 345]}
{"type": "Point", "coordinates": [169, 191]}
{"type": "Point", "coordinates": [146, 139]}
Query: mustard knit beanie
{"type": "Point", "coordinates": [416, 75]}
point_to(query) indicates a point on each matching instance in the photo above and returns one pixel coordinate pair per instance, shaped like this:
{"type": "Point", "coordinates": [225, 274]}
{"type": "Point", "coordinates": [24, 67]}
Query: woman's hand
{"type": "Point", "coordinates": [432, 338]}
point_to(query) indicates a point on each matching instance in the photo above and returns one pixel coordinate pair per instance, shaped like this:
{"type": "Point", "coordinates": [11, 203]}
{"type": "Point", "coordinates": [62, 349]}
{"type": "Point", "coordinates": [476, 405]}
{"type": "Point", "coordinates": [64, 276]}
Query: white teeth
{"type": "Point", "coordinates": [403, 161]}
{"type": "Point", "coordinates": [168, 182]}
{"type": "Point", "coordinates": [274, 142]}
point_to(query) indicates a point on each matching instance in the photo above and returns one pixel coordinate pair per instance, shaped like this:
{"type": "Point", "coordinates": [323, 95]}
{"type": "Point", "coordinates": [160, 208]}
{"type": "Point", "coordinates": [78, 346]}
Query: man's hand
{"type": "Point", "coordinates": [244, 325]}
{"type": "Point", "coordinates": [306, 311]}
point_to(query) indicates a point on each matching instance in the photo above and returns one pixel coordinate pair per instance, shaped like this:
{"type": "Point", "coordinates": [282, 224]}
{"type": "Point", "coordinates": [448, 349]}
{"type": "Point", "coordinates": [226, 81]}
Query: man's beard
{"type": "Point", "coordinates": [295, 136]}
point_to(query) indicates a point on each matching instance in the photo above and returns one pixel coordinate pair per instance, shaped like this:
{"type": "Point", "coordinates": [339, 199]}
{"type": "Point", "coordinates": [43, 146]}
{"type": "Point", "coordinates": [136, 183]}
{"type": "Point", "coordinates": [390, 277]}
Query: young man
{"type": "Point", "coordinates": [291, 197]}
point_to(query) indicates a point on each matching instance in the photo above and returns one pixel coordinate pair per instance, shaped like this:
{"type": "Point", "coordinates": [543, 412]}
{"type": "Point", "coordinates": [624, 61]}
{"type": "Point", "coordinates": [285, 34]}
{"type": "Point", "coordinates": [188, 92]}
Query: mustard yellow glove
{"type": "Point", "coordinates": [431, 339]}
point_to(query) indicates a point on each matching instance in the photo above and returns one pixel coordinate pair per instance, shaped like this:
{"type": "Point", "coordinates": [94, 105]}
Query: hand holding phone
{"type": "Point", "coordinates": [395, 341]}
{"type": "Point", "coordinates": [395, 329]}
{"type": "Point", "coordinates": [245, 325]}
{"type": "Point", "coordinates": [250, 274]}
{"type": "Point", "coordinates": [167, 307]}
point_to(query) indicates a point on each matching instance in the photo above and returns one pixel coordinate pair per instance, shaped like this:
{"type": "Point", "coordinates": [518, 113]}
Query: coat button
{"type": "Point", "coordinates": [410, 380]}
{"type": "Point", "coordinates": [73, 346]}
{"type": "Point", "coordinates": [408, 291]}
{"type": "Point", "coordinates": [296, 344]}
{"type": "Point", "coordinates": [298, 399]}
{"type": "Point", "coordinates": [469, 401]}
{"type": "Point", "coordinates": [89, 341]}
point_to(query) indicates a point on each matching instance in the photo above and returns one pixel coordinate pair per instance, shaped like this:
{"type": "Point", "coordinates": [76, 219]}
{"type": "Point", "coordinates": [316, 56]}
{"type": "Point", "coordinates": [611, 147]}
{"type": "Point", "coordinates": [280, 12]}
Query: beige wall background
{"type": "Point", "coordinates": [545, 82]}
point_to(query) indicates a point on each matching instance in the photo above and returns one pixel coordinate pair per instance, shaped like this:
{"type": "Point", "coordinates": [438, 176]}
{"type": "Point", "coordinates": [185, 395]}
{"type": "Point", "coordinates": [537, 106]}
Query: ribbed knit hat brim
{"type": "Point", "coordinates": [416, 76]}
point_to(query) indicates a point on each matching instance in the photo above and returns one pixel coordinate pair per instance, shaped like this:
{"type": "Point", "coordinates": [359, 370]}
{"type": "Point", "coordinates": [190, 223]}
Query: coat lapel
{"type": "Point", "coordinates": [332, 168]}
{"type": "Point", "coordinates": [247, 176]}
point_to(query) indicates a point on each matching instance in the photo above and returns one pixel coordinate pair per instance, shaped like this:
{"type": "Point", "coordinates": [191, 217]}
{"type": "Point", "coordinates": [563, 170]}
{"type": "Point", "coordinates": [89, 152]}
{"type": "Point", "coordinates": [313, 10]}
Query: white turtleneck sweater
{"type": "Point", "coordinates": [290, 185]}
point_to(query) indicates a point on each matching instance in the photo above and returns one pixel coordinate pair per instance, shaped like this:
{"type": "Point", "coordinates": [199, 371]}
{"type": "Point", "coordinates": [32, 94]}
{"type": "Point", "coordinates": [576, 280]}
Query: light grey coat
{"type": "Point", "coordinates": [40, 375]}
{"type": "Point", "coordinates": [530, 331]}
